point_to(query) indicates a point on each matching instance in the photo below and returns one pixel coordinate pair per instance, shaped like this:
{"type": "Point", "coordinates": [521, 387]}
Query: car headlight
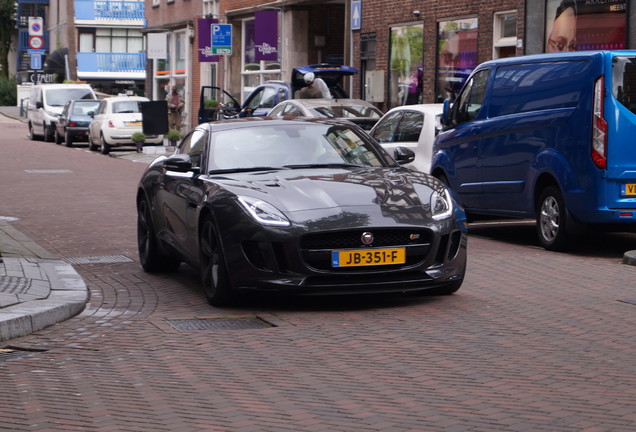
{"type": "Point", "coordinates": [263, 212]}
{"type": "Point", "coordinates": [441, 204]}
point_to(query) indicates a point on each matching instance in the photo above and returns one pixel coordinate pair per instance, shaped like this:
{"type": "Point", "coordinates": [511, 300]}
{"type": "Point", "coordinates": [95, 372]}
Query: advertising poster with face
{"type": "Point", "coordinates": [576, 25]}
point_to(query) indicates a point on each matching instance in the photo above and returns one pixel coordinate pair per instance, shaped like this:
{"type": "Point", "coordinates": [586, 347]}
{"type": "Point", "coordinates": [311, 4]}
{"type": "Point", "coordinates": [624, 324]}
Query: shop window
{"type": "Point", "coordinates": [505, 34]}
{"type": "Point", "coordinates": [456, 55]}
{"type": "Point", "coordinates": [406, 72]}
{"type": "Point", "coordinates": [255, 71]}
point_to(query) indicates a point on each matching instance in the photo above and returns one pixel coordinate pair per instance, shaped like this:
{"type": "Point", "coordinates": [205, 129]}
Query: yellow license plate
{"type": "Point", "coordinates": [368, 257]}
{"type": "Point", "coordinates": [133, 123]}
{"type": "Point", "coordinates": [628, 189]}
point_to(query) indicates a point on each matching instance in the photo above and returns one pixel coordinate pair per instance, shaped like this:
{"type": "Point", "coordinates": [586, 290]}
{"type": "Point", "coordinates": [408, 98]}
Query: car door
{"type": "Point", "coordinates": [460, 142]}
{"type": "Point", "coordinates": [96, 122]}
{"type": "Point", "coordinates": [62, 120]}
{"type": "Point", "coordinates": [182, 193]}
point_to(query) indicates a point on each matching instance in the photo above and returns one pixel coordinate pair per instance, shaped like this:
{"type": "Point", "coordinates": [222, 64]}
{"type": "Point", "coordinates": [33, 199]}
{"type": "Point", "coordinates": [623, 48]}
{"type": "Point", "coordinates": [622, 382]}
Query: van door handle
{"type": "Point", "coordinates": [475, 129]}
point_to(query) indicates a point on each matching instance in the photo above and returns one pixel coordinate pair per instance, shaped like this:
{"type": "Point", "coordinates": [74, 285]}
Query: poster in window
{"type": "Point", "coordinates": [456, 55]}
{"type": "Point", "coordinates": [576, 25]}
{"type": "Point", "coordinates": [406, 79]}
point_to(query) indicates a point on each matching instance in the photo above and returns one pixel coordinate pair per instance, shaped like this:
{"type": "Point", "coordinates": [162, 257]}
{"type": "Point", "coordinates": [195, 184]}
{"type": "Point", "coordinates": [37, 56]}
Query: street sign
{"type": "Point", "coordinates": [356, 15]}
{"type": "Point", "coordinates": [36, 42]}
{"type": "Point", "coordinates": [36, 26]}
{"type": "Point", "coordinates": [36, 61]}
{"type": "Point", "coordinates": [221, 39]}
{"type": "Point", "coordinates": [35, 52]}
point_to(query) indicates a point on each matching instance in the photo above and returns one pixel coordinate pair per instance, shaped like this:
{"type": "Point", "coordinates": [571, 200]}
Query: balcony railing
{"type": "Point", "coordinates": [111, 62]}
{"type": "Point", "coordinates": [109, 10]}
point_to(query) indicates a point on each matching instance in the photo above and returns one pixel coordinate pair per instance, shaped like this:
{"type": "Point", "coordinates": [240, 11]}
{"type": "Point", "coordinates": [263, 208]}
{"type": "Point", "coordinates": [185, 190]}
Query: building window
{"type": "Point", "coordinates": [505, 35]}
{"type": "Point", "coordinates": [405, 79]}
{"type": "Point", "coordinates": [211, 7]}
{"type": "Point", "coordinates": [598, 25]}
{"type": "Point", "coordinates": [117, 40]}
{"type": "Point", "coordinates": [255, 72]}
{"type": "Point", "coordinates": [456, 55]}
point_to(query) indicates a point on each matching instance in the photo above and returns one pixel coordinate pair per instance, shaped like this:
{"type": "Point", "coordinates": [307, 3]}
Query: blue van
{"type": "Point", "coordinates": [550, 137]}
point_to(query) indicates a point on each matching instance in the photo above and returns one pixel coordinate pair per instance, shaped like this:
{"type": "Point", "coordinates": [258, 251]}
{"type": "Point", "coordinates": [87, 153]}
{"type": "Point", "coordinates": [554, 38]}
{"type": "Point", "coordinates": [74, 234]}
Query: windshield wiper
{"type": "Point", "coordinates": [246, 169]}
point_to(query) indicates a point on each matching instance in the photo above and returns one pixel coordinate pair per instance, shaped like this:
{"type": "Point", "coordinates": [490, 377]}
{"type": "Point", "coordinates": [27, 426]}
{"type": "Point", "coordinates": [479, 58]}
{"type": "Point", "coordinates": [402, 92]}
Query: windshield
{"type": "Point", "coordinates": [295, 144]}
{"type": "Point", "coordinates": [58, 97]}
{"type": "Point", "coordinates": [84, 108]}
{"type": "Point", "coordinates": [349, 111]}
{"type": "Point", "coordinates": [624, 81]}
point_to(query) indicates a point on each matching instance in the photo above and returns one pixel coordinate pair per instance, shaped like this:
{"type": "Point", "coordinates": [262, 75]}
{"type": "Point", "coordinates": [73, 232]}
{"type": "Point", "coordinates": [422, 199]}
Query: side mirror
{"type": "Point", "coordinates": [445, 119]}
{"type": "Point", "coordinates": [180, 163]}
{"type": "Point", "coordinates": [91, 114]}
{"type": "Point", "coordinates": [39, 104]}
{"type": "Point", "coordinates": [403, 155]}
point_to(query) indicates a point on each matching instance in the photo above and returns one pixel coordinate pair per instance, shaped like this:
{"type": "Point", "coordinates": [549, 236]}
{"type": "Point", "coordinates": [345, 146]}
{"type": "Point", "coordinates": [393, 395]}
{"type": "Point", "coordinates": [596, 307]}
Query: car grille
{"type": "Point", "coordinates": [316, 248]}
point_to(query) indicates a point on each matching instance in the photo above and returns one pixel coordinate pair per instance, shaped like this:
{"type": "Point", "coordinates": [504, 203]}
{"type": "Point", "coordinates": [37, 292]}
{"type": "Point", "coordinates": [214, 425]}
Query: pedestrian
{"type": "Point", "coordinates": [175, 108]}
{"type": "Point", "coordinates": [310, 91]}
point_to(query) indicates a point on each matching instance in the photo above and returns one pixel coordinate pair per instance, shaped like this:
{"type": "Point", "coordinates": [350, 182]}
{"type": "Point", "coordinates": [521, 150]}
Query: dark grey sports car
{"type": "Point", "coordinates": [307, 207]}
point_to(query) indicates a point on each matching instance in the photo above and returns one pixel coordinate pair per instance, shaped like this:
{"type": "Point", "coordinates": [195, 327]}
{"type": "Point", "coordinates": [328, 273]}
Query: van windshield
{"type": "Point", "coordinates": [624, 81]}
{"type": "Point", "coordinates": [58, 97]}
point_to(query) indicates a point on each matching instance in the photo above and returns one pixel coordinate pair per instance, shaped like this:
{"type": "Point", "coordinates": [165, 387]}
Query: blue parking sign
{"type": "Point", "coordinates": [221, 39]}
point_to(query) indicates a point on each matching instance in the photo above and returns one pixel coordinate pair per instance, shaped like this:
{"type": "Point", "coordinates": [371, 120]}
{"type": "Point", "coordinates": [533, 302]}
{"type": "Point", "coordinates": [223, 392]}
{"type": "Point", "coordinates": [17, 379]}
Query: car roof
{"type": "Point", "coordinates": [311, 103]}
{"type": "Point", "coordinates": [435, 108]}
{"type": "Point", "coordinates": [123, 98]}
{"type": "Point", "coordinates": [245, 122]}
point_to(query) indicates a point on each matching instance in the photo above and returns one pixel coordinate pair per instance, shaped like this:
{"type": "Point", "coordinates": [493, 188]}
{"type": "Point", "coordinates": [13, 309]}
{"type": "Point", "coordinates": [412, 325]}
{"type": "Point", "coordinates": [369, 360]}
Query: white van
{"type": "Point", "coordinates": [45, 105]}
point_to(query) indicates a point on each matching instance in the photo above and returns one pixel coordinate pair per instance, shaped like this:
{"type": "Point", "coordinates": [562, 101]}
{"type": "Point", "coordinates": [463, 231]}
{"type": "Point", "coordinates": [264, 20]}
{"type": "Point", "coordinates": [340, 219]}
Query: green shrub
{"type": "Point", "coordinates": [210, 103]}
{"type": "Point", "coordinates": [138, 137]}
{"type": "Point", "coordinates": [173, 135]}
{"type": "Point", "coordinates": [8, 92]}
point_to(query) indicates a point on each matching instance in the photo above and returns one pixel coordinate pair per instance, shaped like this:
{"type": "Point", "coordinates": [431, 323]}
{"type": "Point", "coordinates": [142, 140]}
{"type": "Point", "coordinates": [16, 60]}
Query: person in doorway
{"type": "Point", "coordinates": [175, 108]}
{"type": "Point", "coordinates": [562, 36]}
{"type": "Point", "coordinates": [310, 91]}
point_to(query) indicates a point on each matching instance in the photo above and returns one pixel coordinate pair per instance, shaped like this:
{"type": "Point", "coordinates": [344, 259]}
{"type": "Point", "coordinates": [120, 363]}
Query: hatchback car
{"type": "Point", "coordinates": [117, 118]}
{"type": "Point", "coordinates": [411, 126]}
{"type": "Point", "coordinates": [358, 111]}
{"type": "Point", "coordinates": [72, 124]}
{"type": "Point", "coordinates": [309, 207]}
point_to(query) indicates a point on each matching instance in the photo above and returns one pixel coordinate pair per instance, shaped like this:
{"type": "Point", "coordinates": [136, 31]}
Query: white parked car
{"type": "Point", "coordinates": [413, 127]}
{"type": "Point", "coordinates": [117, 118]}
{"type": "Point", "coordinates": [358, 111]}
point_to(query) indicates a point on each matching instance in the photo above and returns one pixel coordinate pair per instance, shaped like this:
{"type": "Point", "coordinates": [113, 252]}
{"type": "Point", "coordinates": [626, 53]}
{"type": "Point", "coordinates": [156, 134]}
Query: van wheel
{"type": "Point", "coordinates": [553, 220]}
{"type": "Point", "coordinates": [48, 134]}
{"type": "Point", "coordinates": [31, 135]}
{"type": "Point", "coordinates": [58, 138]}
{"type": "Point", "coordinates": [105, 147]}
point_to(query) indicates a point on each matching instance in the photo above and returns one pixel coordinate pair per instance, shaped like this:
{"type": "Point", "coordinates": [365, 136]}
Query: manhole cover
{"type": "Point", "coordinates": [14, 284]}
{"type": "Point", "coordinates": [108, 259]}
{"type": "Point", "coordinates": [220, 324]}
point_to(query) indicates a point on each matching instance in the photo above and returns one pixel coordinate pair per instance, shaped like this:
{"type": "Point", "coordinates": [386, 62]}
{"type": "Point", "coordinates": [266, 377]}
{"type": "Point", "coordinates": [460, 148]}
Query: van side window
{"type": "Point", "coordinates": [471, 98]}
{"type": "Point", "coordinates": [624, 81]}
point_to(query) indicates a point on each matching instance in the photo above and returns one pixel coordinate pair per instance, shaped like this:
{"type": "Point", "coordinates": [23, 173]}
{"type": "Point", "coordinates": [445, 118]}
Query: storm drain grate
{"type": "Point", "coordinates": [14, 284]}
{"type": "Point", "coordinates": [220, 324]}
{"type": "Point", "coordinates": [48, 171]}
{"type": "Point", "coordinates": [108, 259]}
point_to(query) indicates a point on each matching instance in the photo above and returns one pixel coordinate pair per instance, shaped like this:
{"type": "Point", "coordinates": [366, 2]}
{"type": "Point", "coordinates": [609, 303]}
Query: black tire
{"type": "Point", "coordinates": [214, 276]}
{"type": "Point", "coordinates": [553, 220]}
{"type": "Point", "coordinates": [150, 256]}
{"type": "Point", "coordinates": [31, 135]}
{"type": "Point", "coordinates": [58, 138]}
{"type": "Point", "coordinates": [68, 139]}
{"type": "Point", "coordinates": [91, 144]}
{"type": "Point", "coordinates": [49, 134]}
{"type": "Point", "coordinates": [104, 146]}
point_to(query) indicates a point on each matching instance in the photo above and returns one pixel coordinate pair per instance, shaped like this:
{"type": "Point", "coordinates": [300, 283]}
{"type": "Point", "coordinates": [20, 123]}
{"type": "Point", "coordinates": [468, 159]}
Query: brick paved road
{"type": "Point", "coordinates": [534, 341]}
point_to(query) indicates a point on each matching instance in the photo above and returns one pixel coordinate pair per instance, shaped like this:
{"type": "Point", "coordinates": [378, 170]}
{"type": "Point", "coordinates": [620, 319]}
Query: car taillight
{"type": "Point", "coordinates": [599, 127]}
{"type": "Point", "coordinates": [111, 124]}
{"type": "Point", "coordinates": [72, 124]}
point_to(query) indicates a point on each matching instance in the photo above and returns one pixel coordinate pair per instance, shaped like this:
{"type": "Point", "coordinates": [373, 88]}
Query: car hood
{"type": "Point", "coordinates": [295, 191]}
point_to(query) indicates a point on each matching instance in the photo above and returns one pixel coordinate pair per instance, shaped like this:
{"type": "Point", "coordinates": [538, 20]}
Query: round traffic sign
{"type": "Point", "coordinates": [36, 42]}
